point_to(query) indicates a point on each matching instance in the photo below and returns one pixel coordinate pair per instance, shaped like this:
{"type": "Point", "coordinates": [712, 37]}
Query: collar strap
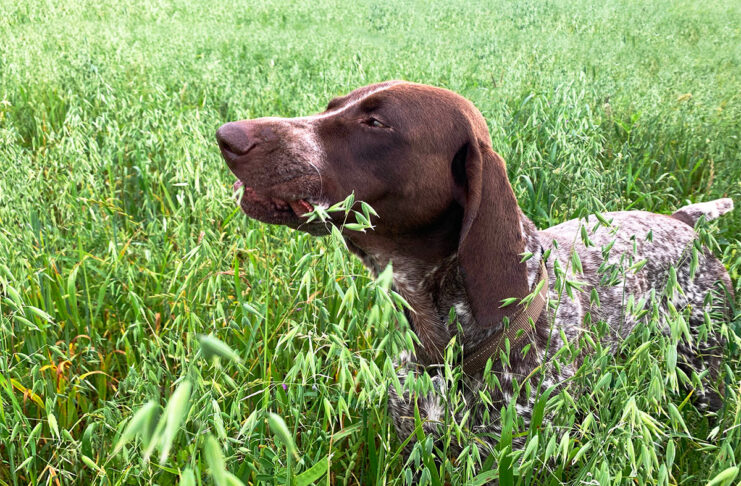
{"type": "Point", "coordinates": [518, 328]}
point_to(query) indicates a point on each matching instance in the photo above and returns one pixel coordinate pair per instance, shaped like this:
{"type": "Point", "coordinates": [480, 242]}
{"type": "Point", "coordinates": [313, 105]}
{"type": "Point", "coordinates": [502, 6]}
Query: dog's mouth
{"type": "Point", "coordinates": [289, 210]}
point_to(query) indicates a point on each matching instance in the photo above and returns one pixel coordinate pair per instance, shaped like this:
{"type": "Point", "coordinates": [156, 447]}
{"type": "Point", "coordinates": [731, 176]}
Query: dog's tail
{"type": "Point", "coordinates": [711, 210]}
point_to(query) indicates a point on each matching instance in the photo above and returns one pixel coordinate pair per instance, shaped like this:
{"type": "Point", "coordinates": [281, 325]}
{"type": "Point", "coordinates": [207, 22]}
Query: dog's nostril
{"type": "Point", "coordinates": [233, 138]}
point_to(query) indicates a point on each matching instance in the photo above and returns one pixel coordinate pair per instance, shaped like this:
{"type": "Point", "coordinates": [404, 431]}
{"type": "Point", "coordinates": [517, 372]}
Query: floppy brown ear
{"type": "Point", "coordinates": [491, 240]}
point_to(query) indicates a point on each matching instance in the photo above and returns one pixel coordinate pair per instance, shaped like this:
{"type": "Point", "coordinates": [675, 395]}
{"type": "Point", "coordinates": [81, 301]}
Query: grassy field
{"type": "Point", "coordinates": [120, 243]}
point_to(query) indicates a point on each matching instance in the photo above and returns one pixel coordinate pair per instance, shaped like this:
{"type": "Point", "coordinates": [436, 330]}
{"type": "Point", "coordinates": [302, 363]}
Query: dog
{"type": "Point", "coordinates": [449, 223]}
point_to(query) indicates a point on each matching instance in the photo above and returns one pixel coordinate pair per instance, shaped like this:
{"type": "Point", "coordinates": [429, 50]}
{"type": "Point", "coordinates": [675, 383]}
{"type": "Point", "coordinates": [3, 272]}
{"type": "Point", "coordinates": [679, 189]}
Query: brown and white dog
{"type": "Point", "coordinates": [448, 220]}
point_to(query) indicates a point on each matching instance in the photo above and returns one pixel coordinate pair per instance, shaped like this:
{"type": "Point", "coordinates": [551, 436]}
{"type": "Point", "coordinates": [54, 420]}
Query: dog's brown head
{"type": "Point", "coordinates": [419, 155]}
{"type": "Point", "coordinates": [393, 144]}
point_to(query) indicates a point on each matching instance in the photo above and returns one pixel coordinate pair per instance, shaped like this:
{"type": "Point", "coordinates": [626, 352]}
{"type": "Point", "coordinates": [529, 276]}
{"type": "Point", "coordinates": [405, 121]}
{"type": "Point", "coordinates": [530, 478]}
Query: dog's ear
{"type": "Point", "coordinates": [491, 240]}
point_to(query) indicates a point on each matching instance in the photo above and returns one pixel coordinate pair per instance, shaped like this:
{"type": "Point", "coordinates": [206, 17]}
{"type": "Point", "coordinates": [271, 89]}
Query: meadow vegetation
{"type": "Point", "coordinates": [121, 246]}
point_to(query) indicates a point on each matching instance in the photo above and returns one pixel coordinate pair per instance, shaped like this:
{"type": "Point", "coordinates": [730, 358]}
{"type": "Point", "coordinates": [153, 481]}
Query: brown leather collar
{"type": "Point", "coordinates": [490, 348]}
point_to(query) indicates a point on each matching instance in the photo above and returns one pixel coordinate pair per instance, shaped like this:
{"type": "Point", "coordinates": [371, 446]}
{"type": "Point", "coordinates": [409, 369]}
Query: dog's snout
{"type": "Point", "coordinates": [234, 138]}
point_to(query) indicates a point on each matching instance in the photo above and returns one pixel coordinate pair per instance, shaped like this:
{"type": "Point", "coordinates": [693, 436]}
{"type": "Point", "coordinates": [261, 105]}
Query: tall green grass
{"type": "Point", "coordinates": [121, 247]}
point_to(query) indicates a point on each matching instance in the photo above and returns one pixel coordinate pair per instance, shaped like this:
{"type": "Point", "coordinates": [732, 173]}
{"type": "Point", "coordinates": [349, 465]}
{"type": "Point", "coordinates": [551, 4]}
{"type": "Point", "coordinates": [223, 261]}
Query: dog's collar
{"type": "Point", "coordinates": [519, 326]}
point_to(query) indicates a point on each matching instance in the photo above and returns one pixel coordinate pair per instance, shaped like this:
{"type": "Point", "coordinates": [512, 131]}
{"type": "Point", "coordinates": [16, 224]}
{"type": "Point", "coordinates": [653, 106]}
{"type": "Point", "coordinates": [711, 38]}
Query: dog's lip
{"type": "Point", "coordinates": [299, 206]}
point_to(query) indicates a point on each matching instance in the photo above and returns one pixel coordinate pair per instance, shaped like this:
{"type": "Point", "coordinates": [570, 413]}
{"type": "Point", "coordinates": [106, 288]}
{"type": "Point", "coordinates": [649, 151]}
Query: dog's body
{"type": "Point", "coordinates": [635, 236]}
{"type": "Point", "coordinates": [450, 225]}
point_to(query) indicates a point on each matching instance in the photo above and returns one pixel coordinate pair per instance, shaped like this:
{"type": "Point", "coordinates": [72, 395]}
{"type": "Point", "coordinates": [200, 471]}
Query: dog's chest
{"type": "Point", "coordinates": [440, 297]}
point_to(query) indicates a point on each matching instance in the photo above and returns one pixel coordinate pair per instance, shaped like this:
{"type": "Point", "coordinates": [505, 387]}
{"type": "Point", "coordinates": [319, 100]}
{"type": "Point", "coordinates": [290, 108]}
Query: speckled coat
{"type": "Point", "coordinates": [640, 248]}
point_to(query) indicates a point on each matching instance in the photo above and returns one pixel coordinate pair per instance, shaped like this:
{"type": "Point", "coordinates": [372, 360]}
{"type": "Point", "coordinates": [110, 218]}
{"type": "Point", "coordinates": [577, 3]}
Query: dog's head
{"type": "Point", "coordinates": [419, 155]}
{"type": "Point", "coordinates": [394, 144]}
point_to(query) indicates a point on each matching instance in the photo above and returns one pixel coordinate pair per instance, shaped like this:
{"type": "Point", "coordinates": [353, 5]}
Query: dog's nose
{"type": "Point", "coordinates": [234, 138]}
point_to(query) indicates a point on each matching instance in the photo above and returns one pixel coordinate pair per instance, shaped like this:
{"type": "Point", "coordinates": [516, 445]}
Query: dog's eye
{"type": "Point", "coordinates": [375, 123]}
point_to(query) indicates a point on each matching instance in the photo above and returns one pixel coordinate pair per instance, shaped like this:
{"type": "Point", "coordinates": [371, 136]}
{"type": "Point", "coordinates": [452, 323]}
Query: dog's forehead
{"type": "Point", "coordinates": [359, 94]}
{"type": "Point", "coordinates": [401, 93]}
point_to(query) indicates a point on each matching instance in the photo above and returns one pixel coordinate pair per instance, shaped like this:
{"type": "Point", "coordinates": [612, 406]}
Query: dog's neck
{"type": "Point", "coordinates": [434, 286]}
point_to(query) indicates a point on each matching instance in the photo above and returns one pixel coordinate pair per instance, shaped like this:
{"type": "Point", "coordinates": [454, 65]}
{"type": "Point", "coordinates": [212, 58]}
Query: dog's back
{"type": "Point", "coordinates": [628, 256]}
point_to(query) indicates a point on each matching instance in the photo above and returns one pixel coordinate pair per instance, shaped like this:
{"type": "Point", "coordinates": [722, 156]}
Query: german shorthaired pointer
{"type": "Point", "coordinates": [449, 221]}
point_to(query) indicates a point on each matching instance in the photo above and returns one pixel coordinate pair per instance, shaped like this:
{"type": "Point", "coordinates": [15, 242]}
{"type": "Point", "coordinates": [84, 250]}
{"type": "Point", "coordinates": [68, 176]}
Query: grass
{"type": "Point", "coordinates": [120, 244]}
